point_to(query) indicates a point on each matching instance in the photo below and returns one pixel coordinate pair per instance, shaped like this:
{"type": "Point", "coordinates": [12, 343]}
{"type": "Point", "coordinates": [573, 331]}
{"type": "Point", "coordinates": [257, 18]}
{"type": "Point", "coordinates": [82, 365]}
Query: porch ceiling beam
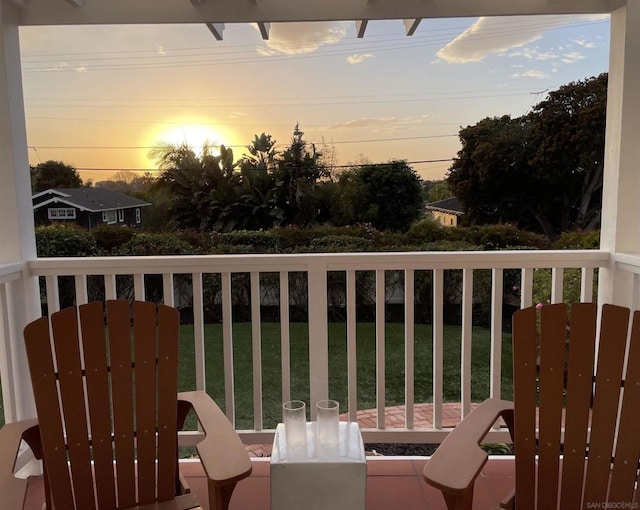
{"type": "Point", "coordinates": [411, 25]}
{"type": "Point", "coordinates": [264, 29]}
{"type": "Point", "coordinates": [361, 27]}
{"type": "Point", "coordinates": [216, 29]}
{"type": "Point", "coordinates": [47, 12]}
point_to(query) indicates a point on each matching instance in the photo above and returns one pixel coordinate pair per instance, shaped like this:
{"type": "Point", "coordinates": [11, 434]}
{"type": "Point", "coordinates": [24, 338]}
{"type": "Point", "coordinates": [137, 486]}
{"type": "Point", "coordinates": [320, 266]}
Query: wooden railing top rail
{"type": "Point", "coordinates": [331, 261]}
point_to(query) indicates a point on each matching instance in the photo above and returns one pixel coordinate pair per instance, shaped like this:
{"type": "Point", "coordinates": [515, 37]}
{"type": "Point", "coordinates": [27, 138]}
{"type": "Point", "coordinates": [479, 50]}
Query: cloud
{"type": "Point", "coordinates": [358, 59]}
{"type": "Point", "coordinates": [494, 35]}
{"type": "Point", "coordinates": [571, 58]}
{"type": "Point", "coordinates": [383, 124]}
{"type": "Point", "coordinates": [584, 43]}
{"type": "Point", "coordinates": [534, 54]}
{"type": "Point", "coordinates": [531, 73]}
{"type": "Point", "coordinates": [296, 38]}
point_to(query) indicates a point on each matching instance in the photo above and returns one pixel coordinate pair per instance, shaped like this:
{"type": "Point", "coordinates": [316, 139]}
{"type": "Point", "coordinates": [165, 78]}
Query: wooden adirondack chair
{"type": "Point", "coordinates": [559, 381]}
{"type": "Point", "coordinates": [109, 411]}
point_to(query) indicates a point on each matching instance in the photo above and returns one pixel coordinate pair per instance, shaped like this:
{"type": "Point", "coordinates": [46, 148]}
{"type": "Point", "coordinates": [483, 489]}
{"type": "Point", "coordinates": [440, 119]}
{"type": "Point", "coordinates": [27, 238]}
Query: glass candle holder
{"type": "Point", "coordinates": [328, 426]}
{"type": "Point", "coordinates": [294, 417]}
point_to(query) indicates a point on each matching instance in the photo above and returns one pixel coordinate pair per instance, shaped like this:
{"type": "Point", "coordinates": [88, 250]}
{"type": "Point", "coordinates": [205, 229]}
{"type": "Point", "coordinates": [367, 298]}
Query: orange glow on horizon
{"type": "Point", "coordinates": [195, 133]}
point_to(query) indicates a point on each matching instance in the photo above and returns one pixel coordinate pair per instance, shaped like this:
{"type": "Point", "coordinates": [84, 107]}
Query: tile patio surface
{"type": "Point", "coordinates": [393, 483]}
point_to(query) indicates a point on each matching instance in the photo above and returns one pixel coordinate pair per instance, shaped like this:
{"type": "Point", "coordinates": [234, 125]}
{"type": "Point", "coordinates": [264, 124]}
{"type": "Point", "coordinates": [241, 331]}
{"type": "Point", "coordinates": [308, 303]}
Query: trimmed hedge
{"type": "Point", "coordinates": [64, 241]}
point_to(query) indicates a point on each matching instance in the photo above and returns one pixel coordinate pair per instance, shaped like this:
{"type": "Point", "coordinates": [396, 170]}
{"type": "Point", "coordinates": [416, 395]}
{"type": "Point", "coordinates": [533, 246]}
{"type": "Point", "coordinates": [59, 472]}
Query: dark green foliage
{"type": "Point", "coordinates": [388, 196]}
{"type": "Point", "coordinates": [248, 241]}
{"type": "Point", "coordinates": [439, 190]}
{"type": "Point", "coordinates": [542, 171]}
{"type": "Point", "coordinates": [147, 244]}
{"type": "Point", "coordinates": [501, 237]}
{"type": "Point", "coordinates": [426, 230]}
{"type": "Point", "coordinates": [54, 174]}
{"type": "Point", "coordinates": [293, 238]}
{"type": "Point", "coordinates": [297, 174]}
{"type": "Point", "coordinates": [340, 243]}
{"type": "Point", "coordinates": [450, 245]}
{"type": "Point", "coordinates": [578, 240]}
{"type": "Point", "coordinates": [200, 242]}
{"type": "Point", "coordinates": [110, 237]}
{"type": "Point", "coordinates": [64, 241]}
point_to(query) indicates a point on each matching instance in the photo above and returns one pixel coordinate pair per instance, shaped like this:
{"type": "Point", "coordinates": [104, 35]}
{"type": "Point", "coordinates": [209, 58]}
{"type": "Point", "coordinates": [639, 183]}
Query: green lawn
{"type": "Point", "coordinates": [366, 362]}
{"type": "Point", "coordinates": [366, 357]}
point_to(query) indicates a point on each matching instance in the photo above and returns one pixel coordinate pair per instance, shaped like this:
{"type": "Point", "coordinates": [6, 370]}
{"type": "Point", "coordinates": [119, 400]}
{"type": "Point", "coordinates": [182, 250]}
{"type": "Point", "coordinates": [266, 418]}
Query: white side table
{"type": "Point", "coordinates": [315, 478]}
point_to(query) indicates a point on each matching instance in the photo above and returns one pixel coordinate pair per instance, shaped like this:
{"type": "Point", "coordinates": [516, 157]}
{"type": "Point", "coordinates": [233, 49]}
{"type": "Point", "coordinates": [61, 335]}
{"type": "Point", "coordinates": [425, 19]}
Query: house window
{"type": "Point", "coordinates": [138, 217]}
{"type": "Point", "coordinates": [62, 213]}
{"type": "Point", "coordinates": [109, 217]}
{"type": "Point", "coordinates": [121, 215]}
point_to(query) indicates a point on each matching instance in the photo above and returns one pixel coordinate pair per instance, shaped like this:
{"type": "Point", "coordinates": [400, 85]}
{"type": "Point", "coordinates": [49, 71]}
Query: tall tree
{"type": "Point", "coordinates": [54, 174]}
{"type": "Point", "coordinates": [299, 170]}
{"type": "Point", "coordinates": [204, 188]}
{"type": "Point", "coordinates": [388, 196]}
{"type": "Point", "coordinates": [260, 198]}
{"type": "Point", "coordinates": [569, 132]}
{"type": "Point", "coordinates": [491, 176]}
{"type": "Point", "coordinates": [541, 171]}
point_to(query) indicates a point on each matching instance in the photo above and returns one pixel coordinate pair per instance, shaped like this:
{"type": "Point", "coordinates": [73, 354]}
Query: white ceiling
{"type": "Point", "coordinates": [72, 12]}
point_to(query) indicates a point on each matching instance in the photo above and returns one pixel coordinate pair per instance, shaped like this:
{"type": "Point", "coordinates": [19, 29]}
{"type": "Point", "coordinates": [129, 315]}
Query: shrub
{"type": "Point", "coordinates": [110, 237]}
{"type": "Point", "coordinates": [500, 237]}
{"type": "Point", "coordinates": [340, 243]}
{"type": "Point", "coordinates": [426, 230]}
{"type": "Point", "coordinates": [64, 241]}
{"type": "Point", "coordinates": [578, 240]}
{"type": "Point", "coordinates": [247, 241]}
{"type": "Point", "coordinates": [146, 244]}
{"type": "Point", "coordinates": [200, 242]}
{"type": "Point", "coordinates": [293, 238]}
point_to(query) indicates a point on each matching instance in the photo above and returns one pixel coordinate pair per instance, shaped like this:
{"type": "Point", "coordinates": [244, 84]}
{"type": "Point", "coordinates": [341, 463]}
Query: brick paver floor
{"type": "Point", "coordinates": [394, 418]}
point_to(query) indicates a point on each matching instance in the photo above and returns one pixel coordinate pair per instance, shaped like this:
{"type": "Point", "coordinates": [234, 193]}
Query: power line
{"type": "Point", "coordinates": [162, 52]}
{"type": "Point", "coordinates": [124, 104]}
{"type": "Point", "coordinates": [140, 147]}
{"type": "Point", "coordinates": [177, 123]}
{"type": "Point", "coordinates": [322, 53]}
{"type": "Point", "coordinates": [354, 165]}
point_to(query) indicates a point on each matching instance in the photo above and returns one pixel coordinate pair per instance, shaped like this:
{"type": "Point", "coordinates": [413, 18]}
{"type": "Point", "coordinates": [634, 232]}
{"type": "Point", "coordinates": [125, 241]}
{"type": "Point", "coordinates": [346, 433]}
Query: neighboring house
{"type": "Point", "coordinates": [447, 212]}
{"type": "Point", "coordinates": [87, 207]}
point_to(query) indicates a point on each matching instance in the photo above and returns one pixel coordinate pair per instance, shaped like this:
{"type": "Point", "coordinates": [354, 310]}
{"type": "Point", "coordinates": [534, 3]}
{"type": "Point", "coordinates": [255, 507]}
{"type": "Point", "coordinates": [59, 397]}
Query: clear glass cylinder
{"type": "Point", "coordinates": [328, 426]}
{"type": "Point", "coordinates": [294, 417]}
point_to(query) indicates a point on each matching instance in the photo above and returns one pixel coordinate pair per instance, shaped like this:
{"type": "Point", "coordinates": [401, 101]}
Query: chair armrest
{"type": "Point", "coordinates": [223, 455]}
{"type": "Point", "coordinates": [12, 489]}
{"type": "Point", "coordinates": [457, 462]}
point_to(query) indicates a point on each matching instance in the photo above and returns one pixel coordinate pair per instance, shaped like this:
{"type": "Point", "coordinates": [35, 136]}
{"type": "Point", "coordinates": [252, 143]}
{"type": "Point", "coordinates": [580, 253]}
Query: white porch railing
{"type": "Point", "coordinates": [316, 269]}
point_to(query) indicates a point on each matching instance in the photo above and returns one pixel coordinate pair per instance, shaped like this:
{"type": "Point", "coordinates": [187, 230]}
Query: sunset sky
{"type": "Point", "coordinates": [99, 98]}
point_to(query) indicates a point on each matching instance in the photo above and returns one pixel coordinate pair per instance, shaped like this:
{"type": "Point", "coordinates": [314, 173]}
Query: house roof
{"type": "Point", "coordinates": [87, 199]}
{"type": "Point", "coordinates": [450, 205]}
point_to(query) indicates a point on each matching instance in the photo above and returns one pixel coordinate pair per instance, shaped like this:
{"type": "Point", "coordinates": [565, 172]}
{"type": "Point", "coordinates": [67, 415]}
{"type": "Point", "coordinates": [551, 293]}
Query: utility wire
{"type": "Point", "coordinates": [321, 53]}
{"type": "Point", "coordinates": [354, 165]}
{"type": "Point", "coordinates": [124, 147]}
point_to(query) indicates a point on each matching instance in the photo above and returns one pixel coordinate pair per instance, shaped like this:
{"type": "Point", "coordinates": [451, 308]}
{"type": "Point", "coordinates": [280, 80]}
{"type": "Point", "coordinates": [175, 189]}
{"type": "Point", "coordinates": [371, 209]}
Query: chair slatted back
{"type": "Point", "coordinates": [107, 403]}
{"type": "Point", "coordinates": [559, 384]}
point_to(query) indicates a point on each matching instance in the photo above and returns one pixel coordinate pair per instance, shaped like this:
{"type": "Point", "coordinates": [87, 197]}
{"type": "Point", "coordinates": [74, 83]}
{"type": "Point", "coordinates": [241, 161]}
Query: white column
{"type": "Point", "coordinates": [16, 227]}
{"type": "Point", "coordinates": [621, 207]}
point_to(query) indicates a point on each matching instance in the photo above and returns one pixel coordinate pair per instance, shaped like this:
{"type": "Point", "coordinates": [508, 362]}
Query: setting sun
{"type": "Point", "coordinates": [194, 133]}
